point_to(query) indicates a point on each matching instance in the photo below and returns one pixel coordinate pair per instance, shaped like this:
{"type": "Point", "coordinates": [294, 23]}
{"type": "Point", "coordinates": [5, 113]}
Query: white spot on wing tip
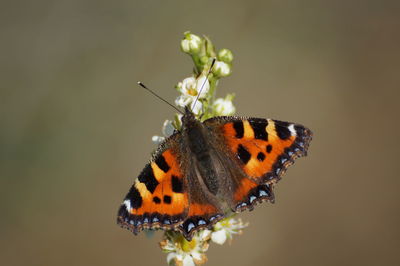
{"type": "Point", "coordinates": [292, 130]}
{"type": "Point", "coordinates": [127, 204]}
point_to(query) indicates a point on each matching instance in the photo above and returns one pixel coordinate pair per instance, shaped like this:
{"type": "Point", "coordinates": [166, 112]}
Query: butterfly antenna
{"type": "Point", "coordinates": [202, 86]}
{"type": "Point", "coordinates": [159, 97]}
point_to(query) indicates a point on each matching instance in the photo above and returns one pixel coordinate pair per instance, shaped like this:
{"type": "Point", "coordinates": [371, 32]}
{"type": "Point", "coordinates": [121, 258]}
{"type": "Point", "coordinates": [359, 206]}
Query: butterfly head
{"type": "Point", "coordinates": [189, 121]}
{"type": "Point", "coordinates": [188, 116]}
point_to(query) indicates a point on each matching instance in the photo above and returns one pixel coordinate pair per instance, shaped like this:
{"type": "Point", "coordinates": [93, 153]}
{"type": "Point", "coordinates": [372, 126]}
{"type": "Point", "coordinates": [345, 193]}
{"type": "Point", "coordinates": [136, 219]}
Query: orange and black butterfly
{"type": "Point", "coordinates": [209, 170]}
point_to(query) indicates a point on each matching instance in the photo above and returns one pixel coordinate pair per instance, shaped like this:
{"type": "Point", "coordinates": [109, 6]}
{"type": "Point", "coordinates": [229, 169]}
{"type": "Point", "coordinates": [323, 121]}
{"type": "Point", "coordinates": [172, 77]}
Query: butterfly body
{"type": "Point", "coordinates": [203, 150]}
{"type": "Point", "coordinates": [210, 169]}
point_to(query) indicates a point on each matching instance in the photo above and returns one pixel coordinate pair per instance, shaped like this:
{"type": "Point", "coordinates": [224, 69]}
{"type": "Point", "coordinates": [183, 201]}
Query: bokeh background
{"type": "Point", "coordinates": [76, 129]}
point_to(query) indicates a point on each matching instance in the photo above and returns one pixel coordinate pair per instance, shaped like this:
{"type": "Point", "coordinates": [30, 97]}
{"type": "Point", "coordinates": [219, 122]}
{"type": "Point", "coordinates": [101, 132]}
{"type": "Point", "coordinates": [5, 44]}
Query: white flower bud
{"type": "Point", "coordinates": [191, 43]}
{"type": "Point", "coordinates": [221, 69]}
{"type": "Point", "coordinates": [224, 106]}
{"type": "Point", "coordinates": [225, 55]}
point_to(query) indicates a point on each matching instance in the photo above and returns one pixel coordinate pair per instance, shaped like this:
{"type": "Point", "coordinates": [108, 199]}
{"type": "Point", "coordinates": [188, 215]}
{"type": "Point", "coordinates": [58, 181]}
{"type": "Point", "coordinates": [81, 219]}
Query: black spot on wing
{"type": "Point", "coordinates": [147, 177]}
{"type": "Point", "coordinates": [261, 156]}
{"type": "Point", "coordinates": [282, 129]}
{"type": "Point", "coordinates": [177, 185]}
{"type": "Point", "coordinates": [157, 200]}
{"type": "Point", "coordinates": [162, 164]}
{"type": "Point", "coordinates": [243, 154]}
{"type": "Point", "coordinates": [134, 197]}
{"type": "Point", "coordinates": [239, 129]}
{"type": "Point", "coordinates": [167, 199]}
{"type": "Point", "coordinates": [269, 148]}
{"type": "Point", "coordinates": [259, 128]}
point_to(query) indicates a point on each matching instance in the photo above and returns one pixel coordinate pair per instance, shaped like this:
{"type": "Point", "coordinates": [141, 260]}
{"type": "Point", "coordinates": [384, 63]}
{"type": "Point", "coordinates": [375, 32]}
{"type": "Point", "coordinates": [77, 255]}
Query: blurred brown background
{"type": "Point", "coordinates": [76, 129]}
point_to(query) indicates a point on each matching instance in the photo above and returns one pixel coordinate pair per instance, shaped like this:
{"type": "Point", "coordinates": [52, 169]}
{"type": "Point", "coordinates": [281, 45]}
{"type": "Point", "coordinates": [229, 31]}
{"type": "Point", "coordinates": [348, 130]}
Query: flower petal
{"type": "Point", "coordinates": [157, 139]}
{"type": "Point", "coordinates": [183, 100]}
{"type": "Point", "coordinates": [188, 261]}
{"type": "Point", "coordinates": [168, 129]}
{"type": "Point", "coordinates": [196, 108]}
{"type": "Point", "coordinates": [188, 84]}
{"type": "Point", "coordinates": [219, 237]}
{"type": "Point", "coordinates": [171, 256]}
{"type": "Point", "coordinates": [205, 234]}
{"type": "Point", "coordinates": [199, 258]}
{"type": "Point", "coordinates": [203, 88]}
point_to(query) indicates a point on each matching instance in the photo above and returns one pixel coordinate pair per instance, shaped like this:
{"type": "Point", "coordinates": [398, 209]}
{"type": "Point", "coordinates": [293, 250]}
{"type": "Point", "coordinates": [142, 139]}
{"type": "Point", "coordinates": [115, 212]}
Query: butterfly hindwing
{"type": "Point", "coordinates": [158, 197]}
{"type": "Point", "coordinates": [263, 149]}
{"type": "Point", "coordinates": [204, 208]}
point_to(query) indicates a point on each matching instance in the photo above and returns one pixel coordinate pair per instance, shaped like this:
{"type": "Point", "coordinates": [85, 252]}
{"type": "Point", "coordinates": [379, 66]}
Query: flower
{"type": "Point", "coordinates": [225, 228]}
{"type": "Point", "coordinates": [183, 252]}
{"type": "Point", "coordinates": [224, 106]}
{"type": "Point", "coordinates": [221, 69]}
{"type": "Point", "coordinates": [190, 89]}
{"type": "Point", "coordinates": [191, 43]}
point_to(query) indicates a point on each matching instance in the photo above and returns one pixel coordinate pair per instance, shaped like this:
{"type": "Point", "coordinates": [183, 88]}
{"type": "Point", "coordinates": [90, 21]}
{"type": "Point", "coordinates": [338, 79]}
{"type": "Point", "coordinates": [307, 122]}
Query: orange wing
{"type": "Point", "coordinates": [162, 197]}
{"type": "Point", "coordinates": [158, 198]}
{"type": "Point", "coordinates": [264, 149]}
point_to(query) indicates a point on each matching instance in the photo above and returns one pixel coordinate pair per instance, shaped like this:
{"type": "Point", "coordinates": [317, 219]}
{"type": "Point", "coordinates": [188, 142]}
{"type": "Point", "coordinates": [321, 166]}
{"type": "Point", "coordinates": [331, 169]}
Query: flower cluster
{"type": "Point", "coordinates": [198, 93]}
{"type": "Point", "coordinates": [201, 85]}
{"type": "Point", "coordinates": [183, 252]}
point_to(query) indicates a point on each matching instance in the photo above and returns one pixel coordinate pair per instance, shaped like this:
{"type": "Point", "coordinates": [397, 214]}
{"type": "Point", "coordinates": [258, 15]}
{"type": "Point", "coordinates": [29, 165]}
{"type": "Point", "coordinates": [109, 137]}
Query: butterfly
{"type": "Point", "coordinates": [208, 170]}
